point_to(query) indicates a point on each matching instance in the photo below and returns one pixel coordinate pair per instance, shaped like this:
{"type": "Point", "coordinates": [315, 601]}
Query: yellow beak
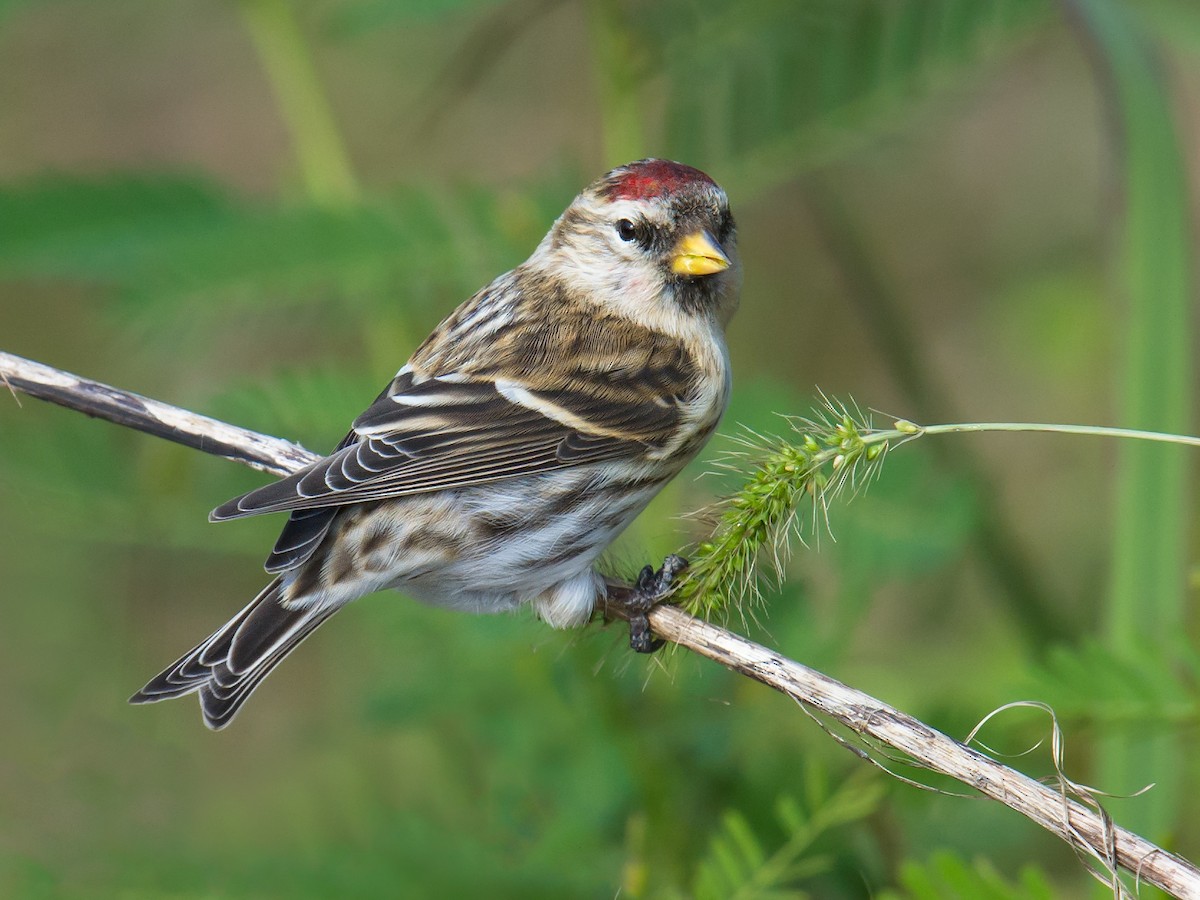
{"type": "Point", "coordinates": [698, 253]}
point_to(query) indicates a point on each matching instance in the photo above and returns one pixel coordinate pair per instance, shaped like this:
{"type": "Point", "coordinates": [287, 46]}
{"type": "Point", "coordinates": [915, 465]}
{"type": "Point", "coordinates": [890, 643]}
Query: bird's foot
{"type": "Point", "coordinates": [634, 604]}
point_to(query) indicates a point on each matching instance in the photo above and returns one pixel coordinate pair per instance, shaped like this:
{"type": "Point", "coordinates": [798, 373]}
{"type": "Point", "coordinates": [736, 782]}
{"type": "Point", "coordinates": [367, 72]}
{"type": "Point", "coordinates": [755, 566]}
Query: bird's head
{"type": "Point", "coordinates": [653, 240]}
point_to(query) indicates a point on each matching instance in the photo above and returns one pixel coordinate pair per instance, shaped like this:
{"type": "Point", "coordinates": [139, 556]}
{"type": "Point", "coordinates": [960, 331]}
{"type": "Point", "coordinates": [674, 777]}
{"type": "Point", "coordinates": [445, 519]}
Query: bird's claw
{"type": "Point", "coordinates": [650, 589]}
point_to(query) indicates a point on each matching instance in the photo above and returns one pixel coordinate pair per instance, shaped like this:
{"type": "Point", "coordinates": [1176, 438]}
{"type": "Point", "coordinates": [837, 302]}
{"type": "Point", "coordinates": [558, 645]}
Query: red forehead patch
{"type": "Point", "coordinates": [652, 178]}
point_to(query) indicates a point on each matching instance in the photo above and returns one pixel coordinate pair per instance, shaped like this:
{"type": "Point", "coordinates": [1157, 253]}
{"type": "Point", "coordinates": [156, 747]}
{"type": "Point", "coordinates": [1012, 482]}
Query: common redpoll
{"type": "Point", "coordinates": [519, 440]}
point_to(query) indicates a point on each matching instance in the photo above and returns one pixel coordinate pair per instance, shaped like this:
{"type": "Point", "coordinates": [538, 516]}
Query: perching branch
{"type": "Point", "coordinates": [1090, 831]}
{"type": "Point", "coordinates": [267, 454]}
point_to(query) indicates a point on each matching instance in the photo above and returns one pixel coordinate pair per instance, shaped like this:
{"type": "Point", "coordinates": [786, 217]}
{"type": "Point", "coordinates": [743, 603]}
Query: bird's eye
{"type": "Point", "coordinates": [626, 230]}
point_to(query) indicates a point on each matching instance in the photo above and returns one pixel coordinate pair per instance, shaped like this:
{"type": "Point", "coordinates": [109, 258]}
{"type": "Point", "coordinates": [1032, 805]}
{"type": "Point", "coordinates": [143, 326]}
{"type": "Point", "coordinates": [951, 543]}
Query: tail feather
{"type": "Point", "coordinates": [226, 667]}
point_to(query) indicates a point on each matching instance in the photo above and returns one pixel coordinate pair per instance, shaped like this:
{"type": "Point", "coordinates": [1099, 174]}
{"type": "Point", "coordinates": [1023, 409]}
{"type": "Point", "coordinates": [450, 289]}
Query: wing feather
{"type": "Point", "coordinates": [435, 434]}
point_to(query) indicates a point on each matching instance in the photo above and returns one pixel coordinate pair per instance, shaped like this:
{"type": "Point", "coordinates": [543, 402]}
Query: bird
{"type": "Point", "coordinates": [523, 435]}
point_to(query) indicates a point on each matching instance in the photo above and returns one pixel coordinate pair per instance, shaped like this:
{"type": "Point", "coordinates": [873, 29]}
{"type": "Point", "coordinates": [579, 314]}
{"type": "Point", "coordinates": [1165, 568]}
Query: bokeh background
{"type": "Point", "coordinates": [950, 210]}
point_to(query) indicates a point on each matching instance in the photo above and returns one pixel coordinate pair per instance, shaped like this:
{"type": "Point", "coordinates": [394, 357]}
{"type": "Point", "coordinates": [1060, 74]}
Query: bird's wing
{"type": "Point", "coordinates": [305, 528]}
{"type": "Point", "coordinates": [454, 431]}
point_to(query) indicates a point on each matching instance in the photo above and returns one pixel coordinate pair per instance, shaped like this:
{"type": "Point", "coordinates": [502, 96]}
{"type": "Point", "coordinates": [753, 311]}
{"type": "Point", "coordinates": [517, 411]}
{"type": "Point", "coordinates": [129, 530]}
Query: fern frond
{"type": "Point", "coordinates": [1096, 683]}
{"type": "Point", "coordinates": [181, 253]}
{"type": "Point", "coordinates": [768, 90]}
{"type": "Point", "coordinates": [948, 876]}
{"type": "Point", "coordinates": [739, 863]}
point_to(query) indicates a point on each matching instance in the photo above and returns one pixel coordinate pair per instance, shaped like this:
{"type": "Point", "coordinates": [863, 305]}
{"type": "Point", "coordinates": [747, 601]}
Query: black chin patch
{"type": "Point", "coordinates": [695, 294]}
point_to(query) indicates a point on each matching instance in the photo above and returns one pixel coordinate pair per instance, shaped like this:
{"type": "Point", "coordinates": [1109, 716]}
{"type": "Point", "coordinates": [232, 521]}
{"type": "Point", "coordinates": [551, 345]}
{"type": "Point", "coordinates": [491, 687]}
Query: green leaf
{"type": "Point", "coordinates": [192, 268]}
{"type": "Point", "coordinates": [739, 864]}
{"type": "Point", "coordinates": [1153, 687]}
{"type": "Point", "coordinates": [949, 877]}
{"type": "Point", "coordinates": [761, 92]}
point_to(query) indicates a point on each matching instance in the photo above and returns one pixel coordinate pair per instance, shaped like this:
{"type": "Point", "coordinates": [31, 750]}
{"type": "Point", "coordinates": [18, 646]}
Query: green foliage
{"type": "Point", "coordinates": [299, 403]}
{"type": "Point", "coordinates": [1148, 598]}
{"type": "Point", "coordinates": [1178, 23]}
{"type": "Point", "coordinates": [363, 17]}
{"type": "Point", "coordinates": [28, 879]}
{"type": "Point", "coordinates": [948, 877]}
{"type": "Point", "coordinates": [1150, 689]}
{"type": "Point", "coordinates": [912, 521]}
{"type": "Point", "coordinates": [182, 250]}
{"type": "Point", "coordinates": [771, 88]}
{"type": "Point", "coordinates": [739, 864]}
{"type": "Point", "coordinates": [415, 752]}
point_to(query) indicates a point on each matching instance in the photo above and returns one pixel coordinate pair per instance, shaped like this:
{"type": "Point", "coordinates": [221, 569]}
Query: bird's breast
{"type": "Point", "coordinates": [705, 404]}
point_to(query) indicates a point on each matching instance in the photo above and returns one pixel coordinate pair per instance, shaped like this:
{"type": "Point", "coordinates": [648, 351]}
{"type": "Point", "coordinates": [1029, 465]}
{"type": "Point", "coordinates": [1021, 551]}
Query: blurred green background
{"type": "Point", "coordinates": [949, 210]}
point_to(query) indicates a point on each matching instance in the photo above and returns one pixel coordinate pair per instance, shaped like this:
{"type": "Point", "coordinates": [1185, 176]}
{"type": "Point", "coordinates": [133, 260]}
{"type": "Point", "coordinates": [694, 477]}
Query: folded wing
{"type": "Point", "coordinates": [454, 431]}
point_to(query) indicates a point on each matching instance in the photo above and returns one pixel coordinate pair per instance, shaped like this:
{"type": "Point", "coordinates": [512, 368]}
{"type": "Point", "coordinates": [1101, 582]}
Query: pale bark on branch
{"type": "Point", "coordinates": [1082, 827]}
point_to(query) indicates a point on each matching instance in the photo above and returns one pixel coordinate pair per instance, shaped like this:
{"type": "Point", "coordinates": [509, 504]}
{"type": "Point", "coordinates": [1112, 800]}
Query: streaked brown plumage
{"type": "Point", "coordinates": [521, 437]}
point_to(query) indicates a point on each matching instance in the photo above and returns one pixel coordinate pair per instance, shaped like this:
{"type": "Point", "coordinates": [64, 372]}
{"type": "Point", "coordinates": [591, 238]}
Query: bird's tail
{"type": "Point", "coordinates": [228, 666]}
